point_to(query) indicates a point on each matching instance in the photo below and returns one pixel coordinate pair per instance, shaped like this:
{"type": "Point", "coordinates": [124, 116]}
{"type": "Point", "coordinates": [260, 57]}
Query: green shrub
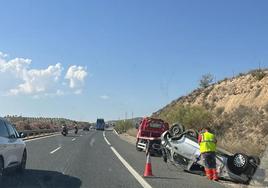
{"type": "Point", "coordinates": [206, 80]}
{"type": "Point", "coordinates": [219, 110]}
{"type": "Point", "coordinates": [123, 126]}
{"type": "Point", "coordinates": [258, 74]}
{"type": "Point", "coordinates": [189, 116]}
{"type": "Point", "coordinates": [241, 74]}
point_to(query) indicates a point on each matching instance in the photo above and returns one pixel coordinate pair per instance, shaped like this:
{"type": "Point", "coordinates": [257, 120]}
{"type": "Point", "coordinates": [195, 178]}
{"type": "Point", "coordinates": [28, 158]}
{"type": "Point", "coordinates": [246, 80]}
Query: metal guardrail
{"type": "Point", "coordinates": [28, 133]}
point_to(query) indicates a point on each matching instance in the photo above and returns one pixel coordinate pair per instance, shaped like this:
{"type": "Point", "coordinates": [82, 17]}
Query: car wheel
{"type": "Point", "coordinates": [23, 162]}
{"type": "Point", "coordinates": [176, 129]}
{"type": "Point", "coordinates": [1, 169]}
{"type": "Point", "coordinates": [238, 163]}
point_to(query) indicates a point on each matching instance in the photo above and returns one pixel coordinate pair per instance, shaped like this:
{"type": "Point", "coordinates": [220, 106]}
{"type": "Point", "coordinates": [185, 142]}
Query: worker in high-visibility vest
{"type": "Point", "coordinates": [207, 142]}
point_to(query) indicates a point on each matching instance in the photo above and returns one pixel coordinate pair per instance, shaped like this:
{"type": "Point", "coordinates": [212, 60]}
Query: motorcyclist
{"type": "Point", "coordinates": [64, 129]}
{"type": "Point", "coordinates": [76, 129]}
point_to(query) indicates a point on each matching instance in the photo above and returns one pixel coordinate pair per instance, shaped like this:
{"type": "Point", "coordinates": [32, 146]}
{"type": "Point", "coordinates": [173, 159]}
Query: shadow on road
{"type": "Point", "coordinates": [39, 178]}
{"type": "Point", "coordinates": [163, 178]}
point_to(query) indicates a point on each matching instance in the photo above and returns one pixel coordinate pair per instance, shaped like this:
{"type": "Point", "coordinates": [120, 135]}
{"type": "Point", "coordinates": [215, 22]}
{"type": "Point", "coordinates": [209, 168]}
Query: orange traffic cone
{"type": "Point", "coordinates": [148, 167]}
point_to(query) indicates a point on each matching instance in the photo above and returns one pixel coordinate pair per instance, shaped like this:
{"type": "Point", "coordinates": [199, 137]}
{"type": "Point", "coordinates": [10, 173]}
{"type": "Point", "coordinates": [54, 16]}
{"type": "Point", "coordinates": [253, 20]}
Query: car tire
{"type": "Point", "coordinates": [176, 129]}
{"type": "Point", "coordinates": [23, 162]}
{"type": "Point", "coordinates": [1, 169]}
{"type": "Point", "coordinates": [238, 163]}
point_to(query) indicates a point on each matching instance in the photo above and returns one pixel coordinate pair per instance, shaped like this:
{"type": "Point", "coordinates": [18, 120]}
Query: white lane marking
{"type": "Point", "coordinates": [106, 139]}
{"type": "Point", "coordinates": [41, 138]}
{"type": "Point", "coordinates": [131, 170]}
{"type": "Point", "coordinates": [73, 139]}
{"type": "Point", "coordinates": [81, 135]}
{"type": "Point", "coordinates": [92, 141]}
{"type": "Point", "coordinates": [55, 150]}
{"type": "Point", "coordinates": [143, 183]}
{"type": "Point", "coordinates": [115, 132]}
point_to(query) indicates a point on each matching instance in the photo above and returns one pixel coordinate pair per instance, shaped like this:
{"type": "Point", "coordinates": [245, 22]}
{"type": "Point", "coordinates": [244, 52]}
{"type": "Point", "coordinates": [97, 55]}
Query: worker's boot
{"type": "Point", "coordinates": [215, 175]}
{"type": "Point", "coordinates": [209, 173]}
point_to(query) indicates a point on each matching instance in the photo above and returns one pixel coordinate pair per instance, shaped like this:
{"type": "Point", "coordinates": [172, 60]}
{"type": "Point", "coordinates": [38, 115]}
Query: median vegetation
{"type": "Point", "coordinates": [35, 123]}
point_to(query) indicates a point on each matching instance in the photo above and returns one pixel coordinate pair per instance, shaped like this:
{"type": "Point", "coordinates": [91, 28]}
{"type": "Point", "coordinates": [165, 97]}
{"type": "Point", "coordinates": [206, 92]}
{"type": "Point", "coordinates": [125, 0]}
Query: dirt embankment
{"type": "Point", "coordinates": [237, 109]}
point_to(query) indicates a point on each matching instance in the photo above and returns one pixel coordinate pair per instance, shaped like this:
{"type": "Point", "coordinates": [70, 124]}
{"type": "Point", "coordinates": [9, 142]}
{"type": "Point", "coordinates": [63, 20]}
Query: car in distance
{"type": "Point", "coordinates": [13, 154]}
{"type": "Point", "coordinates": [100, 124]}
{"type": "Point", "coordinates": [86, 128]}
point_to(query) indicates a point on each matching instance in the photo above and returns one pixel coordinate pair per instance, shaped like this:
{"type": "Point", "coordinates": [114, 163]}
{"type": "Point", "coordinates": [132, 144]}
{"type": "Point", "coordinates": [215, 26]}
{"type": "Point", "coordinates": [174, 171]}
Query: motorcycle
{"type": "Point", "coordinates": [76, 130]}
{"type": "Point", "coordinates": [64, 131]}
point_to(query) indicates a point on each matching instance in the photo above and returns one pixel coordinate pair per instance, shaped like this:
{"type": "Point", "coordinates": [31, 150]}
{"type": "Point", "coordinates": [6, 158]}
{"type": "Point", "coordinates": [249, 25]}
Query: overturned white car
{"type": "Point", "coordinates": [181, 148]}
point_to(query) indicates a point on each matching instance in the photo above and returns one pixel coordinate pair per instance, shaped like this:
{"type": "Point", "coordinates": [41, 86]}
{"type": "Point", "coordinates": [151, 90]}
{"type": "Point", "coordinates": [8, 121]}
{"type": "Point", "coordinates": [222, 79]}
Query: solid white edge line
{"type": "Point", "coordinates": [55, 150]}
{"type": "Point", "coordinates": [115, 132]}
{"type": "Point", "coordinates": [131, 170]}
{"type": "Point", "coordinates": [128, 167]}
{"type": "Point", "coordinates": [40, 138]}
{"type": "Point", "coordinates": [106, 139]}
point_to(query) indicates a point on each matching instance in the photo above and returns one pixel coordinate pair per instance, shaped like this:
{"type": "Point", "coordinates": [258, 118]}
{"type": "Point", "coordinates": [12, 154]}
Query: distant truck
{"type": "Point", "coordinates": [100, 124]}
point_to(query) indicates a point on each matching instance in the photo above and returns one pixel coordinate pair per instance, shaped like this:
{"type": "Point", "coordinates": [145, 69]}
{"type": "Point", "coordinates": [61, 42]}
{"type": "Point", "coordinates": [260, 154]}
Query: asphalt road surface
{"type": "Point", "coordinates": [95, 159]}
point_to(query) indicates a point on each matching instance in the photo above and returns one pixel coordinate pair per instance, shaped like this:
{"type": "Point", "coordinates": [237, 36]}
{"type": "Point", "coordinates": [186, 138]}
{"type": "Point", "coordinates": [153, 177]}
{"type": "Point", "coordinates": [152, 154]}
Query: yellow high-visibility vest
{"type": "Point", "coordinates": [208, 143]}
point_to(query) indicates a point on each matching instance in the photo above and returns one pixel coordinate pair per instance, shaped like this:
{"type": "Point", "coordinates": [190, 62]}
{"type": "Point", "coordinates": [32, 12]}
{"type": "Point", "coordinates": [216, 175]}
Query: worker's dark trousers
{"type": "Point", "coordinates": [209, 160]}
{"type": "Point", "coordinates": [210, 165]}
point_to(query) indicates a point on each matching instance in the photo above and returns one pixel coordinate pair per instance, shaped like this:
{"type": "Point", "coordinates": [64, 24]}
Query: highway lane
{"type": "Point", "coordinates": [84, 162]}
{"type": "Point", "coordinates": [87, 160]}
{"type": "Point", "coordinates": [166, 175]}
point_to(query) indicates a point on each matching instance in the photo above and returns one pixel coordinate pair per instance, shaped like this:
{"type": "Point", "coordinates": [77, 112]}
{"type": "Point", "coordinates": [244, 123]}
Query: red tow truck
{"type": "Point", "coordinates": [150, 131]}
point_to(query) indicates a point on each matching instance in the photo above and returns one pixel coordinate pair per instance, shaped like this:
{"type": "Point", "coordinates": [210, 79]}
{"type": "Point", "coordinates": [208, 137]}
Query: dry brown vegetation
{"type": "Point", "coordinates": [29, 123]}
{"type": "Point", "coordinates": [236, 108]}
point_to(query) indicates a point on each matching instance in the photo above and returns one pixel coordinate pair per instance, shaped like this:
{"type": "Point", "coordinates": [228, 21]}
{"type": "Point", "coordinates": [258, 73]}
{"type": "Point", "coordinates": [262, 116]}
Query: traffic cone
{"type": "Point", "coordinates": [148, 167]}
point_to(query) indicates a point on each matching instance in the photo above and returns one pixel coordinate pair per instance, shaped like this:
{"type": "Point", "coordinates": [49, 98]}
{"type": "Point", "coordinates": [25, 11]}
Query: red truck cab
{"type": "Point", "coordinates": [150, 129]}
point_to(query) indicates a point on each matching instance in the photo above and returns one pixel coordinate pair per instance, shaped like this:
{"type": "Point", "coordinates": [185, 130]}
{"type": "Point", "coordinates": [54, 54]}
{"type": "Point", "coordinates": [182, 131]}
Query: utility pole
{"type": "Point", "coordinates": [125, 116]}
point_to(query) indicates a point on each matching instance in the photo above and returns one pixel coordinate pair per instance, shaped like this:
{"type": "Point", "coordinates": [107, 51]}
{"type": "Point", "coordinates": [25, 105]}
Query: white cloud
{"type": "Point", "coordinates": [38, 80]}
{"type": "Point", "coordinates": [3, 55]}
{"type": "Point", "coordinates": [20, 78]}
{"type": "Point", "coordinates": [76, 76]}
{"type": "Point", "coordinates": [105, 97]}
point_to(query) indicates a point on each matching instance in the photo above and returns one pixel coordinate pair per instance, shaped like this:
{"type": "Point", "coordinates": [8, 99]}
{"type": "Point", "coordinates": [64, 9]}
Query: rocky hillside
{"type": "Point", "coordinates": [236, 108]}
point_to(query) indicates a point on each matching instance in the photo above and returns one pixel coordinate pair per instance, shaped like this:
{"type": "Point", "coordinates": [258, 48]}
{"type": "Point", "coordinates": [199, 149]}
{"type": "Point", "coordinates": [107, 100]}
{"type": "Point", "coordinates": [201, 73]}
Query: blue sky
{"type": "Point", "coordinates": [121, 56]}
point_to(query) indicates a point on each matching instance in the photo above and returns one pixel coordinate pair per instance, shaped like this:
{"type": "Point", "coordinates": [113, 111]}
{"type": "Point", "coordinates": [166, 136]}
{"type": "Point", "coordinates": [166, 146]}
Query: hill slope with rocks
{"type": "Point", "coordinates": [236, 109]}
